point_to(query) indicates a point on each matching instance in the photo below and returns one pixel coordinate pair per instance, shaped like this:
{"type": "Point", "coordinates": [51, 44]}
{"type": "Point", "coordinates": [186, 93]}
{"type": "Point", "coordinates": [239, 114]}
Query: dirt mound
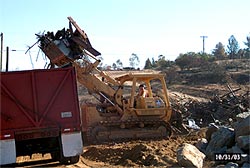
{"type": "Point", "coordinates": [139, 153]}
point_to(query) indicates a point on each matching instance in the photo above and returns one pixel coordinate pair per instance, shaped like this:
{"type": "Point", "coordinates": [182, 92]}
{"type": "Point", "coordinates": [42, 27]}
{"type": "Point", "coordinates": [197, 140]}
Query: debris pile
{"type": "Point", "coordinates": [222, 110]}
{"type": "Point", "coordinates": [229, 145]}
{"type": "Point", "coordinates": [221, 147]}
{"type": "Point", "coordinates": [66, 45]}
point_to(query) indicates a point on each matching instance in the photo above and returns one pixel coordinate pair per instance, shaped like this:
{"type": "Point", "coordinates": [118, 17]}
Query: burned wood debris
{"type": "Point", "coordinates": [222, 110]}
{"type": "Point", "coordinates": [66, 45]}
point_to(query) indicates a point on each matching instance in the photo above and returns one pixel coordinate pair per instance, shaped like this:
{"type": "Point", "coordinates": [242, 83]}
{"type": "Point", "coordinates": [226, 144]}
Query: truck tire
{"type": "Point", "coordinates": [69, 160]}
{"type": "Point", "coordinates": [55, 156]}
{"type": "Point", "coordinates": [74, 159]}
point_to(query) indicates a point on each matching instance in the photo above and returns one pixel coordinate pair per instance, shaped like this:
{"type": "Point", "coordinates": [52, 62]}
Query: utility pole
{"type": "Point", "coordinates": [203, 40]}
{"type": "Point", "coordinates": [1, 59]}
{"type": "Point", "coordinates": [7, 59]}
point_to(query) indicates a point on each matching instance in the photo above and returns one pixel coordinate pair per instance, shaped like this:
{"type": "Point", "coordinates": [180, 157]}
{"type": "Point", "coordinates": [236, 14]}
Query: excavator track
{"type": "Point", "coordinates": [117, 131]}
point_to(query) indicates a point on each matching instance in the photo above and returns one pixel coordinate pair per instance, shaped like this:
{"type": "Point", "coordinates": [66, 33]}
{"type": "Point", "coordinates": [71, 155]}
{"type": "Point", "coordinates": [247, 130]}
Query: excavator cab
{"type": "Point", "coordinates": [156, 103]}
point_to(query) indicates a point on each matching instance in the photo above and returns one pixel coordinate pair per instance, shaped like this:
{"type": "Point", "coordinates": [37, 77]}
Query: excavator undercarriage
{"type": "Point", "coordinates": [120, 113]}
{"type": "Point", "coordinates": [103, 125]}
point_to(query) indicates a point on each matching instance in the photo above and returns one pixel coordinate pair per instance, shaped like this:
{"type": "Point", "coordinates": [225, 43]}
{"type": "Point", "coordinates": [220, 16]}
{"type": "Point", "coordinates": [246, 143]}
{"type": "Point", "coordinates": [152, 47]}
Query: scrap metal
{"type": "Point", "coordinates": [69, 44]}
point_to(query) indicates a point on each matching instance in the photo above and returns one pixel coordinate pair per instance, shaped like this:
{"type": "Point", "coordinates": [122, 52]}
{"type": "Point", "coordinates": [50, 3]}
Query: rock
{"type": "Point", "coordinates": [242, 116]}
{"type": "Point", "coordinates": [228, 165]}
{"type": "Point", "coordinates": [246, 165]}
{"type": "Point", "coordinates": [235, 149]}
{"type": "Point", "coordinates": [202, 144]}
{"type": "Point", "coordinates": [211, 129]}
{"type": "Point", "coordinates": [245, 158]}
{"type": "Point", "coordinates": [231, 165]}
{"type": "Point", "coordinates": [189, 156]}
{"type": "Point", "coordinates": [243, 142]}
{"type": "Point", "coordinates": [151, 160]}
{"type": "Point", "coordinates": [243, 127]}
{"type": "Point", "coordinates": [219, 141]}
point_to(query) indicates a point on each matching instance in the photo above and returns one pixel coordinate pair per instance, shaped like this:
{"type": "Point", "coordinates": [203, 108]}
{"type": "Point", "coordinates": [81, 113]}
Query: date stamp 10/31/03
{"type": "Point", "coordinates": [229, 156]}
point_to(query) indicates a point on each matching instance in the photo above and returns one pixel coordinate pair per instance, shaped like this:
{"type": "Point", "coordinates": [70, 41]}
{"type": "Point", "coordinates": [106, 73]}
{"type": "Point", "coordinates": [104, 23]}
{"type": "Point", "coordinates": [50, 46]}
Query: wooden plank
{"type": "Point", "coordinates": [84, 35]}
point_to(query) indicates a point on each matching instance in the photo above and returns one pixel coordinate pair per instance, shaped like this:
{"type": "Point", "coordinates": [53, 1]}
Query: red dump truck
{"type": "Point", "coordinates": [40, 114]}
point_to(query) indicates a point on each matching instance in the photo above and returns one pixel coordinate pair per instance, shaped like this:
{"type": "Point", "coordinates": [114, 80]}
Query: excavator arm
{"type": "Point", "coordinates": [81, 38]}
{"type": "Point", "coordinates": [99, 86]}
{"type": "Point", "coordinates": [72, 47]}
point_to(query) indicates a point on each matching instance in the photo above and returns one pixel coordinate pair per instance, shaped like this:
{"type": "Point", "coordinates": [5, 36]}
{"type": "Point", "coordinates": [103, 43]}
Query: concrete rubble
{"type": "Point", "coordinates": [231, 143]}
{"type": "Point", "coordinates": [189, 156]}
{"type": "Point", "coordinates": [219, 142]}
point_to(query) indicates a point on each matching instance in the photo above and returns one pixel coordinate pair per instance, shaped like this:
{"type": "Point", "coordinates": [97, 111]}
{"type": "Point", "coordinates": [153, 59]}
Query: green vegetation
{"type": "Point", "coordinates": [191, 59]}
{"type": "Point", "coordinates": [201, 68]}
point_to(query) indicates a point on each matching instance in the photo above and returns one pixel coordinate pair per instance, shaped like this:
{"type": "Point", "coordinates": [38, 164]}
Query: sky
{"type": "Point", "coordinates": [118, 28]}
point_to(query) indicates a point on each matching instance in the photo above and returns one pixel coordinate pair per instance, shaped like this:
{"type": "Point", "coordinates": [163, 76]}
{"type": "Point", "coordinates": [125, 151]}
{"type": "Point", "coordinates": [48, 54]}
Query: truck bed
{"type": "Point", "coordinates": [38, 103]}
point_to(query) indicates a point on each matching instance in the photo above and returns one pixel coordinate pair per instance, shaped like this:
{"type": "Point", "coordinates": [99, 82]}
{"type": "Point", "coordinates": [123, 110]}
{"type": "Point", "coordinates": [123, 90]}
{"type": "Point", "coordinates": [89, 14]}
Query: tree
{"type": "Point", "coordinates": [154, 63]}
{"type": "Point", "coordinates": [233, 47]}
{"type": "Point", "coordinates": [248, 42]}
{"type": "Point", "coordinates": [161, 57]}
{"type": "Point", "coordinates": [219, 51]}
{"type": "Point", "coordinates": [247, 50]}
{"type": "Point", "coordinates": [192, 60]}
{"type": "Point", "coordinates": [134, 60]}
{"type": "Point", "coordinates": [241, 53]}
{"type": "Point", "coordinates": [119, 64]}
{"type": "Point", "coordinates": [114, 66]}
{"type": "Point", "coordinates": [184, 60]}
{"type": "Point", "coordinates": [163, 63]}
{"type": "Point", "coordinates": [148, 64]}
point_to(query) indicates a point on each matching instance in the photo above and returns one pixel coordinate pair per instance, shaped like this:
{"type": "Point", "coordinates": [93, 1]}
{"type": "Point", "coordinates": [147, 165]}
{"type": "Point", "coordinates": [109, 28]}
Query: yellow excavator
{"type": "Point", "coordinates": [119, 114]}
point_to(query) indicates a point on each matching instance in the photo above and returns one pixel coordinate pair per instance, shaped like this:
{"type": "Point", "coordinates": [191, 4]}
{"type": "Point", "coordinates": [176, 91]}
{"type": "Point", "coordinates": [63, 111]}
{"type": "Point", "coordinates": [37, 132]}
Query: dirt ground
{"type": "Point", "coordinates": [157, 153]}
{"type": "Point", "coordinates": [153, 153]}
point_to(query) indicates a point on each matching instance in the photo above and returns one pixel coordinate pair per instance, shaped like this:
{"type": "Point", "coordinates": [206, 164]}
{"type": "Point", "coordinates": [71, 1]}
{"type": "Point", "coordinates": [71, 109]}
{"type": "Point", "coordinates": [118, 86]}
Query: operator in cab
{"type": "Point", "coordinates": [143, 92]}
